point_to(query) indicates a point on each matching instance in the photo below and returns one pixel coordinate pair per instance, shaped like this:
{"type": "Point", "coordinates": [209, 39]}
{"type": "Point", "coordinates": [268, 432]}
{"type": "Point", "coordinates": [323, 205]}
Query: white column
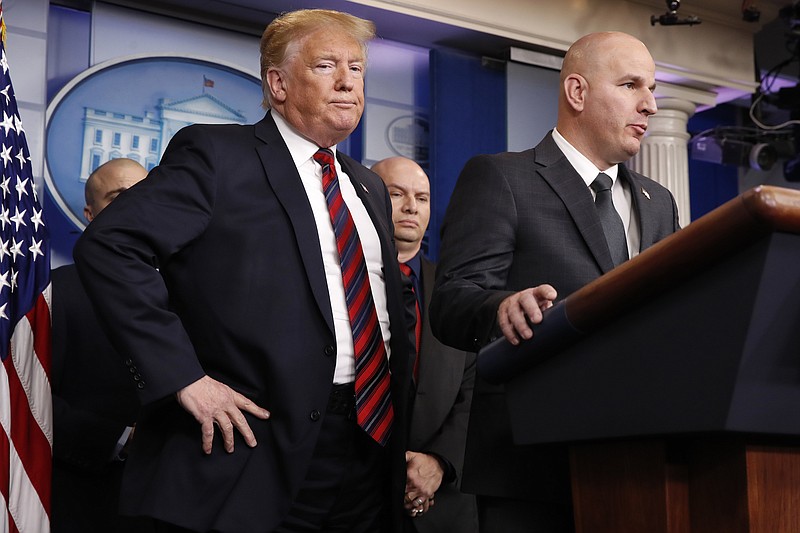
{"type": "Point", "coordinates": [664, 153]}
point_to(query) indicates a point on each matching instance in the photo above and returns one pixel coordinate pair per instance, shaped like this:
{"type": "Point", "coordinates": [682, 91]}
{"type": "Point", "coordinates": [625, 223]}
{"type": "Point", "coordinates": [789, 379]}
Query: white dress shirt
{"type": "Point", "coordinates": [302, 151]}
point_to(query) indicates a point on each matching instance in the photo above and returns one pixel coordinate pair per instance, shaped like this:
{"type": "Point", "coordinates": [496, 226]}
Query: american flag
{"type": "Point", "coordinates": [26, 434]}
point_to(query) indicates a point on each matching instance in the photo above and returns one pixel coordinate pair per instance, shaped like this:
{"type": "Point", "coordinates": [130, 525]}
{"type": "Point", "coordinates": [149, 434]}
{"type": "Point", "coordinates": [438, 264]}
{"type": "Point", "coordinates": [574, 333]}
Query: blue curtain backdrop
{"type": "Point", "coordinates": [468, 102]}
{"type": "Point", "coordinates": [711, 184]}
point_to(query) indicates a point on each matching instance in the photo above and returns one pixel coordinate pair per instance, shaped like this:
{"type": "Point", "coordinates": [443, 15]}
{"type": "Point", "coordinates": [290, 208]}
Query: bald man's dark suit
{"type": "Point", "coordinates": [94, 400]}
{"type": "Point", "coordinates": [517, 220]}
{"type": "Point", "coordinates": [241, 295]}
{"type": "Point", "coordinates": [439, 419]}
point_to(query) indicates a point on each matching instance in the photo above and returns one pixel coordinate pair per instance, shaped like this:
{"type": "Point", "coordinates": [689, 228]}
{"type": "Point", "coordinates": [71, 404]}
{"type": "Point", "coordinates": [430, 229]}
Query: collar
{"type": "Point", "coordinates": [585, 168]}
{"type": "Point", "coordinates": [300, 148]}
{"type": "Point", "coordinates": [415, 264]}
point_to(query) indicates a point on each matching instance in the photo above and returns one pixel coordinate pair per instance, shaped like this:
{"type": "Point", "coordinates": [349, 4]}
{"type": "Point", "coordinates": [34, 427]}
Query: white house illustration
{"type": "Point", "coordinates": [108, 135]}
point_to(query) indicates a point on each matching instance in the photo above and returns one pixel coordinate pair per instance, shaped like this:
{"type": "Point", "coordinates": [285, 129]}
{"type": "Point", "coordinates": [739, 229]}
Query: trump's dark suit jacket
{"type": "Point", "coordinates": [240, 295]}
{"type": "Point", "coordinates": [517, 220]}
{"type": "Point", "coordinates": [443, 395]}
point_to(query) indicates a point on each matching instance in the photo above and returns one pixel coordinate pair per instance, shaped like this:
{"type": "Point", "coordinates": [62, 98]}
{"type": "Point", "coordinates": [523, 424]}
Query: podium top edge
{"type": "Point", "coordinates": [731, 226]}
{"type": "Point", "coordinates": [778, 207]}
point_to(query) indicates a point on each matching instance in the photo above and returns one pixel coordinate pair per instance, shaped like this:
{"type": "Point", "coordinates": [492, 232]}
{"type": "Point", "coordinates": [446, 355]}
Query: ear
{"type": "Point", "coordinates": [575, 87]}
{"type": "Point", "coordinates": [277, 84]}
{"type": "Point", "coordinates": [87, 213]}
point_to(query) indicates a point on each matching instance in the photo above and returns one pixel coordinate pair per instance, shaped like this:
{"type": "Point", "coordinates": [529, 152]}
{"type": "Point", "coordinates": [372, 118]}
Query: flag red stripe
{"type": "Point", "coordinates": [39, 318]}
{"type": "Point", "coordinates": [34, 446]}
{"type": "Point", "coordinates": [5, 452]}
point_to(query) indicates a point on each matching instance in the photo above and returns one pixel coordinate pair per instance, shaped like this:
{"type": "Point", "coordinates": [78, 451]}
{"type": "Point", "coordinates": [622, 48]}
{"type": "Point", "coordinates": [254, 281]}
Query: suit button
{"type": "Point", "coordinates": [330, 350]}
{"type": "Point", "coordinates": [137, 377]}
{"type": "Point", "coordinates": [129, 362]}
{"type": "Point", "coordinates": [140, 384]}
{"type": "Point", "coordinates": [314, 416]}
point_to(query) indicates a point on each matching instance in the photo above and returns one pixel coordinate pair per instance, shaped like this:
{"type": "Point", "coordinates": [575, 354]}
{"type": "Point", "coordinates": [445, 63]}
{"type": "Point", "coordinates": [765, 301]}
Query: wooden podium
{"type": "Point", "coordinates": [675, 379]}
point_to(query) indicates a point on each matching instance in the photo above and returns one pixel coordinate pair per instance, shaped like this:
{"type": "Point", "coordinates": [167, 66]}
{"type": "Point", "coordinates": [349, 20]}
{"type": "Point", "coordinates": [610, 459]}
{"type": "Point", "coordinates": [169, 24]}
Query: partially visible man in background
{"type": "Point", "coordinates": [94, 391]}
{"type": "Point", "coordinates": [443, 376]}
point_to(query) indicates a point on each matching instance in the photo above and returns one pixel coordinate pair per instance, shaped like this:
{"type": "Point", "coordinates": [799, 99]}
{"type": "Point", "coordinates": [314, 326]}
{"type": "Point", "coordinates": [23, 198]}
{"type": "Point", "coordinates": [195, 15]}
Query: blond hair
{"type": "Point", "coordinates": [295, 25]}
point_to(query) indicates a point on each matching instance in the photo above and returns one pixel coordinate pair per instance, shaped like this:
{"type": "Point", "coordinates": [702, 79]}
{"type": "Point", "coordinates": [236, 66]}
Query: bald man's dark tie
{"type": "Point", "coordinates": [612, 224]}
{"type": "Point", "coordinates": [406, 270]}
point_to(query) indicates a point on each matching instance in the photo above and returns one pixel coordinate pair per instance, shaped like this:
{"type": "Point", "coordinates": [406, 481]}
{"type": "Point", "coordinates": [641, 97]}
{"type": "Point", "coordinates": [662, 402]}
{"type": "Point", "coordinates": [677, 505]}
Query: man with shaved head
{"type": "Point", "coordinates": [443, 377]}
{"type": "Point", "coordinates": [523, 230]}
{"type": "Point", "coordinates": [108, 181]}
{"type": "Point", "coordinates": [95, 405]}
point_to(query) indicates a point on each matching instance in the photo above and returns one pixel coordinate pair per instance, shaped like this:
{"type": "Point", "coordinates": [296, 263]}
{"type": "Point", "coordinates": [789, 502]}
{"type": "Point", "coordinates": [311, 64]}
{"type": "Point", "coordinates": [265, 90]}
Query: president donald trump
{"type": "Point", "coordinates": [251, 281]}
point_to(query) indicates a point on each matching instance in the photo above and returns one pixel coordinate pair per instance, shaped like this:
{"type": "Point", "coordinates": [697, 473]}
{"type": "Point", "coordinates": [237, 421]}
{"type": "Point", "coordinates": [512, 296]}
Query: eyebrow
{"type": "Point", "coordinates": [407, 189]}
{"type": "Point", "coordinates": [638, 79]}
{"type": "Point", "coordinates": [334, 55]}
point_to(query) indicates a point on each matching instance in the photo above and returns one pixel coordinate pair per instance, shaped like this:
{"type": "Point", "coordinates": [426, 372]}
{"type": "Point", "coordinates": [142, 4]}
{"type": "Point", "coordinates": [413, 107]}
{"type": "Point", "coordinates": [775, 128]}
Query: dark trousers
{"type": "Point", "coordinates": [347, 484]}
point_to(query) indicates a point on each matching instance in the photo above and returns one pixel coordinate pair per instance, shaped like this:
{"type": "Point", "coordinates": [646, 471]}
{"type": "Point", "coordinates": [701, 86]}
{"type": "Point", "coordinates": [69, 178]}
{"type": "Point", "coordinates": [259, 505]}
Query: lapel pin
{"type": "Point", "coordinates": [647, 194]}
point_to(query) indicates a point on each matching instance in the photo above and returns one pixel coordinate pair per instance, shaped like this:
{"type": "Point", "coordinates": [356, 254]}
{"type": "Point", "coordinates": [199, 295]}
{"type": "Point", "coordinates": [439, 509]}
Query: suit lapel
{"type": "Point", "coordinates": [568, 185]}
{"type": "Point", "coordinates": [428, 278]}
{"type": "Point", "coordinates": [439, 371]}
{"type": "Point", "coordinates": [284, 179]}
{"type": "Point", "coordinates": [373, 202]}
{"type": "Point", "coordinates": [643, 207]}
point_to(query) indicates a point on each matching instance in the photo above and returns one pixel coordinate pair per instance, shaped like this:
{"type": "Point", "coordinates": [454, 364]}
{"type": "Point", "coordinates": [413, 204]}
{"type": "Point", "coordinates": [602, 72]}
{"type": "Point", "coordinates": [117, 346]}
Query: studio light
{"type": "Point", "coordinates": [740, 153]}
{"type": "Point", "coordinates": [671, 18]}
{"type": "Point", "coordinates": [762, 156]}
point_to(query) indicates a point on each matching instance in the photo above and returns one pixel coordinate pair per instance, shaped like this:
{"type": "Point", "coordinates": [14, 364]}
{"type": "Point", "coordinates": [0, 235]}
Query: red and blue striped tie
{"type": "Point", "coordinates": [374, 411]}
